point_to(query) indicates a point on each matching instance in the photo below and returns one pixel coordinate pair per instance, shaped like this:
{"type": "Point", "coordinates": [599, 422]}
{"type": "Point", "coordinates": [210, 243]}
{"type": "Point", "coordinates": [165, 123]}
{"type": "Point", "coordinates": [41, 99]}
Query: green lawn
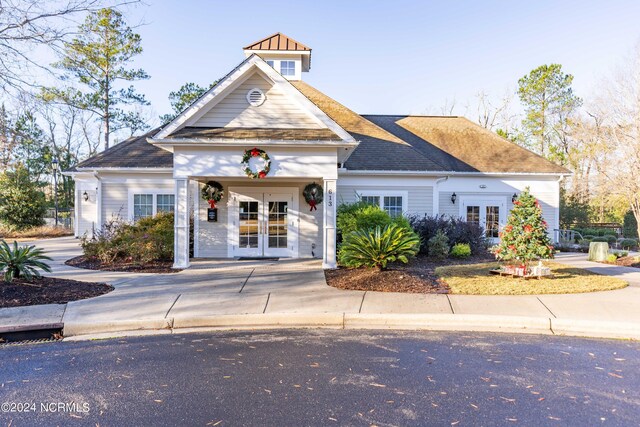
{"type": "Point", "coordinates": [475, 279]}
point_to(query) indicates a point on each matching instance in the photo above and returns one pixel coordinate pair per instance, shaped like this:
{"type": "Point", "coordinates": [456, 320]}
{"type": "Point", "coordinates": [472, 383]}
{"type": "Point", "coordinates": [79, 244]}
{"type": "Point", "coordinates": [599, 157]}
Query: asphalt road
{"type": "Point", "coordinates": [323, 378]}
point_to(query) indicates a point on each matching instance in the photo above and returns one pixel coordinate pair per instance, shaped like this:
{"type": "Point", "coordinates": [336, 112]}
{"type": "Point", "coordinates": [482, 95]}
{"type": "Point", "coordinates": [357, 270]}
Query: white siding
{"type": "Point", "coordinates": [212, 236]}
{"type": "Point", "coordinates": [115, 196]}
{"type": "Point", "coordinates": [419, 190]}
{"type": "Point", "coordinates": [278, 110]}
{"type": "Point", "coordinates": [420, 199]}
{"type": "Point", "coordinates": [545, 189]}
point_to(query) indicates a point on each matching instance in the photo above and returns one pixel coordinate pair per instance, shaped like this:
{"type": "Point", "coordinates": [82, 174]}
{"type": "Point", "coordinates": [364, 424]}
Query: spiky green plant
{"type": "Point", "coordinates": [21, 261]}
{"type": "Point", "coordinates": [378, 246]}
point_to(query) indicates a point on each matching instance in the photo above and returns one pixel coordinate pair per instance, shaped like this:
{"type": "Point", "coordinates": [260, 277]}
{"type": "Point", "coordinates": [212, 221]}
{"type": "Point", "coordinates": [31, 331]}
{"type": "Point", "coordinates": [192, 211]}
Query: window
{"type": "Point", "coordinates": [392, 202]}
{"type": "Point", "coordinates": [393, 205]}
{"type": "Point", "coordinates": [288, 68]}
{"type": "Point", "coordinates": [492, 226]}
{"type": "Point", "coordinates": [142, 206]}
{"type": "Point", "coordinates": [372, 200]}
{"type": "Point", "coordinates": [270, 64]}
{"type": "Point", "coordinates": [165, 203]}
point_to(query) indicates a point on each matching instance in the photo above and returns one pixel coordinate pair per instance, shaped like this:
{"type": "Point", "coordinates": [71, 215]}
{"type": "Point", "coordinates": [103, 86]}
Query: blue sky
{"type": "Point", "coordinates": [390, 57]}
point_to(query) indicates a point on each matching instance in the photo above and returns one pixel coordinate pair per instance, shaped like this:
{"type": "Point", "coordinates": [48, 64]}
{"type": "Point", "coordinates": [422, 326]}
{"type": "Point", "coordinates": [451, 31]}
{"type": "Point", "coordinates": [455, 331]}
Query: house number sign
{"type": "Point", "coordinates": [329, 198]}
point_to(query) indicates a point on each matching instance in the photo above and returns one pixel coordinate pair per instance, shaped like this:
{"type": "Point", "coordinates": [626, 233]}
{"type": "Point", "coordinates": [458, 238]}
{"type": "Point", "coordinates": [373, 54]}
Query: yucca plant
{"type": "Point", "coordinates": [21, 261]}
{"type": "Point", "coordinates": [378, 246]}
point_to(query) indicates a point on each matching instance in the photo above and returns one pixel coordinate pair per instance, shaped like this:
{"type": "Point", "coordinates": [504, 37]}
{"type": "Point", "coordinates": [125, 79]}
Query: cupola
{"type": "Point", "coordinates": [287, 56]}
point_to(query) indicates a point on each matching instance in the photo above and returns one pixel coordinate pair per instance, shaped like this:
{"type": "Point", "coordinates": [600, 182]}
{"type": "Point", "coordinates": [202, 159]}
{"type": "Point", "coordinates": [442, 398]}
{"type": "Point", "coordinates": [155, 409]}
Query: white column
{"type": "Point", "coordinates": [76, 209]}
{"type": "Point", "coordinates": [181, 227]}
{"type": "Point", "coordinates": [329, 232]}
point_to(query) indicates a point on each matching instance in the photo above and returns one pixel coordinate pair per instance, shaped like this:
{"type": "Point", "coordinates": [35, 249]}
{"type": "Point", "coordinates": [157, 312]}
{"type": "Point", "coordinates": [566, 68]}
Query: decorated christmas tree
{"type": "Point", "coordinates": [524, 239]}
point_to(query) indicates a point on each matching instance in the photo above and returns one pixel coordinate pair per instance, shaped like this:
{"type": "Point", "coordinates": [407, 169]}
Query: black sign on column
{"type": "Point", "coordinates": [212, 215]}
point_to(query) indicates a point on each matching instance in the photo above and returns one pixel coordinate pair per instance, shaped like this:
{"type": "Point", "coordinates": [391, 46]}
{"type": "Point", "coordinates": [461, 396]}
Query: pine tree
{"type": "Point", "coordinates": [524, 238]}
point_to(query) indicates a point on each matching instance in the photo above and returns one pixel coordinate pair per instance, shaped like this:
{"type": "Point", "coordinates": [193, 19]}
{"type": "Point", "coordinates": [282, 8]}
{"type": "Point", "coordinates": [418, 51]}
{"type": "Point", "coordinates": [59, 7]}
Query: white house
{"type": "Point", "coordinates": [422, 165]}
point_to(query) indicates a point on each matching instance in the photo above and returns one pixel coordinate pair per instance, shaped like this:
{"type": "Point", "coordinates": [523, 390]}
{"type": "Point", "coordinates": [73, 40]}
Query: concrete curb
{"type": "Point", "coordinates": [33, 327]}
{"type": "Point", "coordinates": [88, 328]}
{"type": "Point", "coordinates": [595, 328]}
{"type": "Point", "coordinates": [449, 322]}
{"type": "Point", "coordinates": [424, 322]}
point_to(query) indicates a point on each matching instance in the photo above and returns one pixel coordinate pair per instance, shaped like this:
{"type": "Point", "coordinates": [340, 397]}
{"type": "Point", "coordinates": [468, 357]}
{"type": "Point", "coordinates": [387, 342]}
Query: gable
{"type": "Point", "coordinates": [277, 111]}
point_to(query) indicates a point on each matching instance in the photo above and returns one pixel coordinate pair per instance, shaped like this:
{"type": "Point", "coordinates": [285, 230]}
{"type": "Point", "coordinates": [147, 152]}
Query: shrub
{"type": "Point", "coordinates": [21, 261]}
{"type": "Point", "coordinates": [150, 239]}
{"type": "Point", "coordinates": [22, 204]}
{"type": "Point", "coordinates": [620, 254]}
{"type": "Point", "coordinates": [584, 242]}
{"type": "Point", "coordinates": [610, 238]}
{"type": "Point", "coordinates": [588, 237]}
{"type": "Point", "coordinates": [362, 216]}
{"type": "Point", "coordinates": [608, 232]}
{"type": "Point", "coordinates": [461, 250]}
{"type": "Point", "coordinates": [439, 245]}
{"type": "Point", "coordinates": [600, 239]}
{"type": "Point", "coordinates": [456, 229]}
{"type": "Point", "coordinates": [628, 243]}
{"type": "Point", "coordinates": [379, 246]}
{"type": "Point", "coordinates": [612, 258]}
{"type": "Point", "coordinates": [630, 225]}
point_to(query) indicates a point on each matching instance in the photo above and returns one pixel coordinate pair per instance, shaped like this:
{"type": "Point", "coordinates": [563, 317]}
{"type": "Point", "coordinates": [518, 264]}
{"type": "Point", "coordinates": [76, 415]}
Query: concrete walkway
{"type": "Point", "coordinates": [262, 294]}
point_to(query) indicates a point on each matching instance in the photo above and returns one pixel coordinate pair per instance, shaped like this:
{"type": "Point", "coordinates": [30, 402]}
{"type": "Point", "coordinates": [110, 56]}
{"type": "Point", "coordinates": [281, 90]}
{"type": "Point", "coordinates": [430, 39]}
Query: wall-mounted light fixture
{"type": "Point", "coordinates": [454, 196]}
{"type": "Point", "coordinates": [85, 196]}
{"type": "Point", "coordinates": [514, 197]}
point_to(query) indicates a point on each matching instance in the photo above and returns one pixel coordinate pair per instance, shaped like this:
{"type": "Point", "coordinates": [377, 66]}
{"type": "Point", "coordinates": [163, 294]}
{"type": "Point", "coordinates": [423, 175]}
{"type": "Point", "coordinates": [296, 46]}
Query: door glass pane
{"type": "Point", "coordinates": [492, 221]}
{"type": "Point", "coordinates": [473, 214]}
{"type": "Point", "coordinates": [248, 224]}
{"type": "Point", "coordinates": [165, 203]}
{"type": "Point", "coordinates": [277, 224]}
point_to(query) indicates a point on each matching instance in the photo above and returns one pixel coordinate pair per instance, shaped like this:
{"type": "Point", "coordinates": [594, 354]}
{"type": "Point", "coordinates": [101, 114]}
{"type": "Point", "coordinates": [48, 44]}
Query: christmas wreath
{"type": "Point", "coordinates": [212, 192]}
{"type": "Point", "coordinates": [313, 195]}
{"type": "Point", "coordinates": [256, 152]}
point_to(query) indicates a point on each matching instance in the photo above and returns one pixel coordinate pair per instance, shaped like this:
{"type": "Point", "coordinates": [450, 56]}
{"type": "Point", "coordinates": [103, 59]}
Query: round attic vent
{"type": "Point", "coordinates": [256, 97]}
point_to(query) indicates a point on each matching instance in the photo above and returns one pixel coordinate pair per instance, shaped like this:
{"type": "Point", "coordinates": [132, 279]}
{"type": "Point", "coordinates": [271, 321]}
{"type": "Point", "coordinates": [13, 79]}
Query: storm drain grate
{"type": "Point", "coordinates": [30, 337]}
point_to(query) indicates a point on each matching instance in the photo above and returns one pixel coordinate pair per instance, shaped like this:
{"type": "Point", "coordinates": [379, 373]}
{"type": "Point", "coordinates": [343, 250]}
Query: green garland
{"type": "Point", "coordinates": [256, 152]}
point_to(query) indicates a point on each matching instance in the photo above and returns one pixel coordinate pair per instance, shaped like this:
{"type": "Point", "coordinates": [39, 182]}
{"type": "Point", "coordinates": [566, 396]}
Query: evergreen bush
{"type": "Point", "coordinates": [438, 245]}
{"type": "Point", "coordinates": [22, 204]}
{"type": "Point", "coordinates": [461, 250]}
{"type": "Point", "coordinates": [378, 246]}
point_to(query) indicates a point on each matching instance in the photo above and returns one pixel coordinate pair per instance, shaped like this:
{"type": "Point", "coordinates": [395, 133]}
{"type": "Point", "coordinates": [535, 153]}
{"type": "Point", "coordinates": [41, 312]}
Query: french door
{"type": "Point", "coordinates": [490, 214]}
{"type": "Point", "coordinates": [264, 224]}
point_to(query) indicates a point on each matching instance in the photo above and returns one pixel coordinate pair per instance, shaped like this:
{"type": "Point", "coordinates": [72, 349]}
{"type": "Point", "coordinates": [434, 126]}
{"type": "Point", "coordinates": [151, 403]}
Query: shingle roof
{"type": "Point", "coordinates": [477, 147]}
{"type": "Point", "coordinates": [378, 149]}
{"type": "Point", "coordinates": [277, 41]}
{"type": "Point", "coordinates": [288, 134]}
{"type": "Point", "coordinates": [396, 143]}
{"type": "Point", "coordinates": [134, 152]}
{"type": "Point", "coordinates": [431, 144]}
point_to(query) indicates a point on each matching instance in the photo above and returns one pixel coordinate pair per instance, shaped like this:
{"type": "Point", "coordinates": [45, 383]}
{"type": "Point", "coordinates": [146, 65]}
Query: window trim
{"type": "Point", "coordinates": [387, 193]}
{"type": "Point", "coordinates": [154, 193]}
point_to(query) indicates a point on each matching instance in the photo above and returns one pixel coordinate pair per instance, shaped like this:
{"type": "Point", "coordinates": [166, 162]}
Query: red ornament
{"type": "Point", "coordinates": [512, 247]}
{"type": "Point", "coordinates": [262, 174]}
{"type": "Point", "coordinates": [528, 228]}
{"type": "Point", "coordinates": [508, 229]}
{"type": "Point", "coordinates": [212, 203]}
{"type": "Point", "coordinates": [255, 152]}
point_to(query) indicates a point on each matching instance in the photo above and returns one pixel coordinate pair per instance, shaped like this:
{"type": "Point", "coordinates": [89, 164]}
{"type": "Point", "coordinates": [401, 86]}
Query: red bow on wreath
{"type": "Point", "coordinates": [312, 203]}
{"type": "Point", "coordinates": [255, 152]}
{"type": "Point", "coordinates": [212, 203]}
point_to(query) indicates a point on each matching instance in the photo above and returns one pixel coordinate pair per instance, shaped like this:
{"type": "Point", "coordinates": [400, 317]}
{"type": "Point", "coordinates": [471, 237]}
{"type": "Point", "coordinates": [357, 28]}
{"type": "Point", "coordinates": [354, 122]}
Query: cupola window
{"type": "Point", "coordinates": [288, 68]}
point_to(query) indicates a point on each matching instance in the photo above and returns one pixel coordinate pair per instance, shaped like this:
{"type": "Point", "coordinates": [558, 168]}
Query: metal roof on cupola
{"type": "Point", "coordinates": [278, 50]}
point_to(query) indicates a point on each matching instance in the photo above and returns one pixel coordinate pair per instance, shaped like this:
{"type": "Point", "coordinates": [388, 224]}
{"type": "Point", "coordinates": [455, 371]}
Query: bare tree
{"type": "Point", "coordinates": [619, 105]}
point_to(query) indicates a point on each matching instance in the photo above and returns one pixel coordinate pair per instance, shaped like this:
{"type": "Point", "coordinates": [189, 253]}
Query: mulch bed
{"type": "Point", "coordinates": [94, 264]}
{"type": "Point", "coordinates": [48, 290]}
{"type": "Point", "coordinates": [416, 277]}
{"type": "Point", "coordinates": [627, 261]}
